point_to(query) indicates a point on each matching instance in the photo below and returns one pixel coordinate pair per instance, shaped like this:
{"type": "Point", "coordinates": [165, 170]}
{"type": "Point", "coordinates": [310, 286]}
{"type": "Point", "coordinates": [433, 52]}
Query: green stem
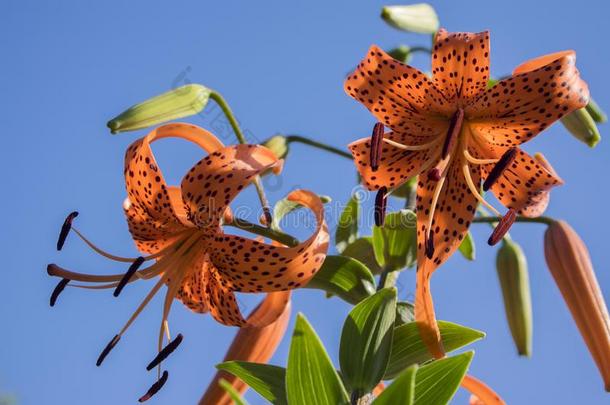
{"type": "Point", "coordinates": [224, 106]}
{"type": "Point", "coordinates": [387, 279]}
{"type": "Point", "coordinates": [270, 233]}
{"type": "Point", "coordinates": [423, 49]}
{"type": "Point", "coordinates": [494, 219]}
{"type": "Point", "coordinates": [319, 145]}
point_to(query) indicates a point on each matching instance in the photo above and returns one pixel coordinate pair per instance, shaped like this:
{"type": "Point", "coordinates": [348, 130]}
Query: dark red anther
{"type": "Point", "coordinates": [167, 350]}
{"type": "Point", "coordinates": [454, 130]}
{"type": "Point", "coordinates": [430, 245]}
{"type": "Point", "coordinates": [434, 174]}
{"type": "Point", "coordinates": [505, 161]}
{"type": "Point", "coordinates": [65, 229]}
{"type": "Point", "coordinates": [503, 226]}
{"type": "Point", "coordinates": [107, 349]}
{"type": "Point", "coordinates": [155, 387]}
{"type": "Point", "coordinates": [381, 200]}
{"type": "Point", "coordinates": [58, 289]}
{"type": "Point", "coordinates": [127, 276]}
{"type": "Point", "coordinates": [376, 145]}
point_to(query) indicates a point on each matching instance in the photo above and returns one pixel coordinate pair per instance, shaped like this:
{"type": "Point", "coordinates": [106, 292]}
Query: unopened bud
{"type": "Point", "coordinates": [278, 144]}
{"type": "Point", "coordinates": [401, 53]}
{"type": "Point", "coordinates": [177, 103]}
{"type": "Point", "coordinates": [568, 260]}
{"type": "Point", "coordinates": [596, 112]}
{"type": "Point", "coordinates": [580, 124]}
{"type": "Point", "coordinates": [514, 281]}
{"type": "Point", "coordinates": [420, 18]}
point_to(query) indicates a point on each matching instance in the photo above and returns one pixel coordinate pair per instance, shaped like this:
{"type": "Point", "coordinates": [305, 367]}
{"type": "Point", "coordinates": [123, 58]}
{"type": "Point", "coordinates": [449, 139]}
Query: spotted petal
{"type": "Point", "coordinates": [221, 300]}
{"type": "Point", "coordinates": [252, 266]}
{"type": "Point", "coordinates": [539, 93]}
{"type": "Point", "coordinates": [460, 64]}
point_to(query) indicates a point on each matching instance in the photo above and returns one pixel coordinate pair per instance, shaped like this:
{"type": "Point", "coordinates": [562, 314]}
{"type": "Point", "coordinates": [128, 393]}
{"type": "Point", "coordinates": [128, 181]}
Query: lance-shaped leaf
{"type": "Point", "coordinates": [267, 380]}
{"type": "Point", "coordinates": [405, 313]}
{"type": "Point", "coordinates": [409, 349]}
{"type": "Point", "coordinates": [311, 378]}
{"type": "Point", "coordinates": [235, 396]}
{"type": "Point", "coordinates": [437, 382]}
{"type": "Point", "coordinates": [395, 243]}
{"type": "Point", "coordinates": [467, 248]}
{"type": "Point", "coordinates": [366, 341]}
{"type": "Point", "coordinates": [347, 228]}
{"type": "Point", "coordinates": [401, 391]}
{"type": "Point", "coordinates": [344, 277]}
{"type": "Point", "coordinates": [362, 250]}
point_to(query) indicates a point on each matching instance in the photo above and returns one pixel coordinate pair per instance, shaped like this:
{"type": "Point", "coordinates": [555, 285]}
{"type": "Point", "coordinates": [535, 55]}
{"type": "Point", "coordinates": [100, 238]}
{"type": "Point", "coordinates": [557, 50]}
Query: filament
{"type": "Point", "coordinates": [473, 190]}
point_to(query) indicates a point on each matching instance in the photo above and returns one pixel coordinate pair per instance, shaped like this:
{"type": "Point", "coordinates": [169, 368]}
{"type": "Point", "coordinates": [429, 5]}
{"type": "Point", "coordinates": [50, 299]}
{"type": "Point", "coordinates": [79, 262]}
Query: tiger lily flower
{"type": "Point", "coordinates": [179, 231]}
{"type": "Point", "coordinates": [454, 133]}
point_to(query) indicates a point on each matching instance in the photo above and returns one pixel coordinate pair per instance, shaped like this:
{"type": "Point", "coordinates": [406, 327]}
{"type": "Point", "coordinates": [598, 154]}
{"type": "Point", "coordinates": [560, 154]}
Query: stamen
{"type": "Point", "coordinates": [56, 271]}
{"type": "Point", "coordinates": [434, 174]}
{"type": "Point", "coordinates": [424, 146]}
{"type": "Point", "coordinates": [475, 192]}
{"type": "Point", "coordinates": [376, 142]}
{"type": "Point", "coordinates": [107, 349]}
{"type": "Point", "coordinates": [65, 229]}
{"type": "Point", "coordinates": [58, 289]}
{"type": "Point", "coordinates": [128, 275]}
{"type": "Point", "coordinates": [506, 159]}
{"type": "Point", "coordinates": [503, 226]}
{"type": "Point", "coordinates": [167, 350]}
{"type": "Point", "coordinates": [381, 200]}
{"type": "Point", "coordinates": [476, 161]}
{"type": "Point", "coordinates": [454, 130]}
{"type": "Point", "coordinates": [155, 387]}
{"type": "Point", "coordinates": [430, 245]}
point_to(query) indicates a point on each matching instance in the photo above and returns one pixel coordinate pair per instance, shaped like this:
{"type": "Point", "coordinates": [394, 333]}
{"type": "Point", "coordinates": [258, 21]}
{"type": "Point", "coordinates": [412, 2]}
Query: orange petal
{"type": "Point", "coordinates": [221, 301]}
{"type": "Point", "coordinates": [151, 214]}
{"type": "Point", "coordinates": [400, 96]}
{"type": "Point", "coordinates": [255, 343]}
{"type": "Point", "coordinates": [395, 165]}
{"type": "Point", "coordinates": [520, 107]}
{"type": "Point", "coordinates": [210, 186]}
{"type": "Point", "coordinates": [251, 266]}
{"type": "Point", "coordinates": [541, 201]}
{"type": "Point", "coordinates": [482, 393]}
{"type": "Point", "coordinates": [460, 63]}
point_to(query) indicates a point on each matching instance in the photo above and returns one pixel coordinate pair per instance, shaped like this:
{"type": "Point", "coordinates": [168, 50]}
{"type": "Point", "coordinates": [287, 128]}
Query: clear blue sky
{"type": "Point", "coordinates": [69, 66]}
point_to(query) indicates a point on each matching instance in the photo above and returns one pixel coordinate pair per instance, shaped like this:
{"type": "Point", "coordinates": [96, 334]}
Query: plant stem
{"type": "Point", "coordinates": [242, 139]}
{"type": "Point", "coordinates": [493, 219]}
{"type": "Point", "coordinates": [270, 233]}
{"type": "Point", "coordinates": [424, 49]}
{"type": "Point", "coordinates": [387, 279]}
{"type": "Point", "coordinates": [319, 145]}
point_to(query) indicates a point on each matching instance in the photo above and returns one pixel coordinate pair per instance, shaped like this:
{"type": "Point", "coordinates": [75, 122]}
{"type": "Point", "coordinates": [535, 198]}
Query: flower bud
{"type": "Point", "coordinates": [401, 53]}
{"type": "Point", "coordinates": [177, 103]}
{"type": "Point", "coordinates": [514, 281]}
{"type": "Point", "coordinates": [568, 260]}
{"type": "Point", "coordinates": [596, 112]}
{"type": "Point", "coordinates": [419, 18]}
{"type": "Point", "coordinates": [278, 145]}
{"type": "Point", "coordinates": [580, 124]}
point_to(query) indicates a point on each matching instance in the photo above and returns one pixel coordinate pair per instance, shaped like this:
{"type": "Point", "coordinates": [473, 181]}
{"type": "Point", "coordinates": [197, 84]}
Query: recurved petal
{"type": "Point", "coordinates": [540, 202]}
{"type": "Point", "coordinates": [150, 209]}
{"type": "Point", "coordinates": [221, 300]}
{"type": "Point", "coordinates": [251, 266]}
{"type": "Point", "coordinates": [255, 343]}
{"type": "Point", "coordinates": [400, 96]}
{"type": "Point", "coordinates": [539, 93]}
{"type": "Point", "coordinates": [460, 63]}
{"type": "Point", "coordinates": [395, 165]}
{"type": "Point", "coordinates": [210, 186]}
{"type": "Point", "coordinates": [481, 393]}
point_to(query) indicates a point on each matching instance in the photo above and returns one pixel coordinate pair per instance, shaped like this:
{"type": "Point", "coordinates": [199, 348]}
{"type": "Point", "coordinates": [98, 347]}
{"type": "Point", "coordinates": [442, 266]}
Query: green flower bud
{"type": "Point", "coordinates": [278, 145]}
{"type": "Point", "coordinates": [177, 103]}
{"type": "Point", "coordinates": [580, 124]}
{"type": "Point", "coordinates": [514, 281]}
{"type": "Point", "coordinates": [596, 112]}
{"type": "Point", "coordinates": [419, 18]}
{"type": "Point", "coordinates": [401, 53]}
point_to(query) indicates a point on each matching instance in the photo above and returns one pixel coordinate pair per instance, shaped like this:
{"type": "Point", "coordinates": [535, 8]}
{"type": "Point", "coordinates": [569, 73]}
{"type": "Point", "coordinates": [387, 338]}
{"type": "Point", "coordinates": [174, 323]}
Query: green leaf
{"type": "Point", "coordinates": [366, 341]}
{"type": "Point", "coordinates": [344, 277]}
{"type": "Point", "coordinates": [362, 250]}
{"type": "Point", "coordinates": [437, 382]}
{"type": "Point", "coordinates": [347, 228]}
{"type": "Point", "coordinates": [284, 206]}
{"type": "Point", "coordinates": [267, 380]}
{"type": "Point", "coordinates": [467, 248]}
{"type": "Point", "coordinates": [409, 349]}
{"type": "Point", "coordinates": [395, 243]}
{"type": "Point", "coordinates": [401, 391]}
{"type": "Point", "coordinates": [405, 313]}
{"type": "Point", "coordinates": [311, 377]}
{"type": "Point", "coordinates": [235, 396]}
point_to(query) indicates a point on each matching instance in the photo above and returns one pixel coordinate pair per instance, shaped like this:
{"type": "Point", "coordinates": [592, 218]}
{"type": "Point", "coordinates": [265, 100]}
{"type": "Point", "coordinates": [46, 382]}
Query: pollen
{"type": "Point", "coordinates": [376, 145]}
{"type": "Point", "coordinates": [507, 158]}
{"type": "Point", "coordinates": [381, 200]}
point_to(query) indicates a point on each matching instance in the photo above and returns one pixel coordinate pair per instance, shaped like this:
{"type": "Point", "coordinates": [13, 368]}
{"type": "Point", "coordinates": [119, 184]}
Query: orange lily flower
{"type": "Point", "coordinates": [453, 133]}
{"type": "Point", "coordinates": [179, 230]}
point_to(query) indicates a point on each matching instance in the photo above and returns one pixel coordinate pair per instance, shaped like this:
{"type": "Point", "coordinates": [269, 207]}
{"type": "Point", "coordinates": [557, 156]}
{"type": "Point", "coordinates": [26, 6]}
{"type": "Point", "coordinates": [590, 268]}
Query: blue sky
{"type": "Point", "coordinates": [69, 66]}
